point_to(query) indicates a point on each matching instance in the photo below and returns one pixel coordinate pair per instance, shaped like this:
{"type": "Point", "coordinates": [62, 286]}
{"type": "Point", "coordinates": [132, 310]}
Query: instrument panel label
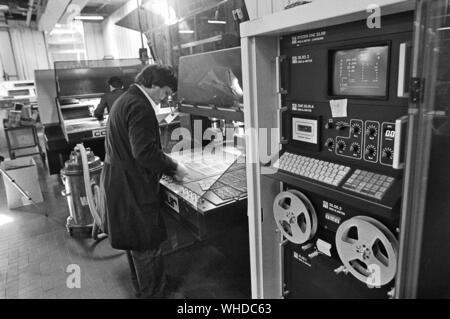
{"type": "Point", "coordinates": [99, 133]}
{"type": "Point", "coordinates": [309, 37]}
{"type": "Point", "coordinates": [301, 259]}
{"type": "Point", "coordinates": [333, 207]}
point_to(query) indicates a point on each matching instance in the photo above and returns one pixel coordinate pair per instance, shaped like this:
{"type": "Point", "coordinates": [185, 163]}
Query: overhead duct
{"type": "Point", "coordinates": [51, 14]}
{"type": "Point", "coordinates": [59, 11]}
{"type": "Point", "coordinates": [73, 10]}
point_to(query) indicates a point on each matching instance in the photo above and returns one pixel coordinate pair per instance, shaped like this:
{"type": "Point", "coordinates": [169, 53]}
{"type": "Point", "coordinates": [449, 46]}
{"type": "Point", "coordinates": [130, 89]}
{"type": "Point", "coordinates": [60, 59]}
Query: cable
{"type": "Point", "coordinates": [89, 194]}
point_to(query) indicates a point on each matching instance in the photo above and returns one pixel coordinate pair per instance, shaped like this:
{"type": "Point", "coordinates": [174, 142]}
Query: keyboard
{"type": "Point", "coordinates": [322, 171]}
{"type": "Point", "coordinates": [368, 183]}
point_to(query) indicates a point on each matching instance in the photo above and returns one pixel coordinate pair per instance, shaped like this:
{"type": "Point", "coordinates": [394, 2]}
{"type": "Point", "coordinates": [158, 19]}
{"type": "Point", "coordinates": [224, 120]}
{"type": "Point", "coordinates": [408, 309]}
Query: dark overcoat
{"type": "Point", "coordinates": [129, 193]}
{"type": "Point", "coordinates": [107, 101]}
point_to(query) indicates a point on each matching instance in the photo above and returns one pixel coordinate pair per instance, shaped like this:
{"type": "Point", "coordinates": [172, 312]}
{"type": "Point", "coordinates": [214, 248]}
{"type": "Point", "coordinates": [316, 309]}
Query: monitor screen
{"type": "Point", "coordinates": [211, 78]}
{"type": "Point", "coordinates": [360, 72]}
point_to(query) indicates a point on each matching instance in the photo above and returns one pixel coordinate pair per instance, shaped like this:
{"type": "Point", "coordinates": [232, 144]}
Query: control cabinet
{"type": "Point", "coordinates": [328, 202]}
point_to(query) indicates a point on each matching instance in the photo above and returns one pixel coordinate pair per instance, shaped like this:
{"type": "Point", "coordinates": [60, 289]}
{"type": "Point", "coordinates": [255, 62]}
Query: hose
{"type": "Point", "coordinates": [89, 194]}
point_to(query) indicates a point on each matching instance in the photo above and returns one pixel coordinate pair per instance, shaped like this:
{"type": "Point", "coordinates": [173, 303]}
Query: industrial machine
{"type": "Point", "coordinates": [18, 89]}
{"type": "Point", "coordinates": [341, 163]}
{"type": "Point", "coordinates": [17, 92]}
{"type": "Point", "coordinates": [213, 197]}
{"type": "Point", "coordinates": [79, 87]}
{"type": "Point", "coordinates": [333, 211]}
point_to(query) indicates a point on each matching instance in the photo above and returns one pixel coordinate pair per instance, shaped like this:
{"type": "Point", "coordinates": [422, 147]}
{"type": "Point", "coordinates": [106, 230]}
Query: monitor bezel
{"type": "Point", "coordinates": [331, 55]}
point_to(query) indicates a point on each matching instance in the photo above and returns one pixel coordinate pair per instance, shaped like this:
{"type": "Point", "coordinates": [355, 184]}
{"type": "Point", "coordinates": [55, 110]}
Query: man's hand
{"type": "Point", "coordinates": [180, 173]}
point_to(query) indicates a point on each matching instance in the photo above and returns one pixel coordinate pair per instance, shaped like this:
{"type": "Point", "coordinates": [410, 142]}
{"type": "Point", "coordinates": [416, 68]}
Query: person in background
{"type": "Point", "coordinates": [115, 90]}
{"type": "Point", "coordinates": [130, 206]}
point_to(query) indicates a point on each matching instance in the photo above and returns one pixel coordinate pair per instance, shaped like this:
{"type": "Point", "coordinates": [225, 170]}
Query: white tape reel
{"type": "Point", "coordinates": [368, 249]}
{"type": "Point", "coordinates": [295, 216]}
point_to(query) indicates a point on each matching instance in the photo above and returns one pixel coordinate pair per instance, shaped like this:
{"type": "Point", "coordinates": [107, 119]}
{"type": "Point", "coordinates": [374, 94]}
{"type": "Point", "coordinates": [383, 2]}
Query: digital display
{"type": "Point", "coordinates": [389, 134]}
{"type": "Point", "coordinates": [361, 71]}
{"type": "Point", "coordinates": [304, 128]}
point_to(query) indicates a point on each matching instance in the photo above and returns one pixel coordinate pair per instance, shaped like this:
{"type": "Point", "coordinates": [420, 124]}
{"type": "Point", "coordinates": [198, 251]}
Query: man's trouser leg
{"type": "Point", "coordinates": [134, 278]}
{"type": "Point", "coordinates": [149, 268]}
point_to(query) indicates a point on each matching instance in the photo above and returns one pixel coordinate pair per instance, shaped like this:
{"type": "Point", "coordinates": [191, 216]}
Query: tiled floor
{"type": "Point", "coordinates": [36, 250]}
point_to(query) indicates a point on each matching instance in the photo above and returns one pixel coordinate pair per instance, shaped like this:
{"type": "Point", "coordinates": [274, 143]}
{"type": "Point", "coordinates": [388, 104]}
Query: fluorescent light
{"type": "Point", "coordinates": [217, 22]}
{"type": "Point", "coordinates": [186, 31]}
{"type": "Point", "coordinates": [95, 18]}
{"type": "Point", "coordinates": [442, 29]}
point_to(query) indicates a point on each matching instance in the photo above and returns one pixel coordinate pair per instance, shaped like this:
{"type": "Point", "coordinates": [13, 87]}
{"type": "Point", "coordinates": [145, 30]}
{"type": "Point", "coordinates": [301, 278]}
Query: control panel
{"type": "Point", "coordinates": [339, 164]}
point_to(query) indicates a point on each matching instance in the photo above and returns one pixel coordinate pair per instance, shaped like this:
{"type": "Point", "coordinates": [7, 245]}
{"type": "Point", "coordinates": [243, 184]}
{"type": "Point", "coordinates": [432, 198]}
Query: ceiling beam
{"type": "Point", "coordinates": [52, 13]}
{"type": "Point", "coordinates": [73, 10]}
{"type": "Point", "coordinates": [59, 11]}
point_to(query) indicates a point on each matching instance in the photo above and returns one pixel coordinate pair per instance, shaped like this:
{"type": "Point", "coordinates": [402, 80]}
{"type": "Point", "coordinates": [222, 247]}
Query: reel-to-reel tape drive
{"type": "Point", "coordinates": [342, 115]}
{"type": "Point", "coordinates": [358, 245]}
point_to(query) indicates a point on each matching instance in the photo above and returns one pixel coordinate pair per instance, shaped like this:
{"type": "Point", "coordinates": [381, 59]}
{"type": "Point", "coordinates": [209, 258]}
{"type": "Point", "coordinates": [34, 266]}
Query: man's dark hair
{"type": "Point", "coordinates": [115, 82]}
{"type": "Point", "coordinates": [156, 74]}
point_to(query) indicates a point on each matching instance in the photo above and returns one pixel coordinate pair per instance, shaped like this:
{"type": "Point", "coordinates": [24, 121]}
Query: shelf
{"type": "Point", "coordinates": [229, 114]}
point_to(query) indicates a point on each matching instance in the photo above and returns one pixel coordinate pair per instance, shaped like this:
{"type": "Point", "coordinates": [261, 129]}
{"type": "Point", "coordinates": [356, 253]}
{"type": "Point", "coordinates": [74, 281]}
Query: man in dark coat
{"type": "Point", "coordinates": [134, 163]}
{"type": "Point", "coordinates": [115, 90]}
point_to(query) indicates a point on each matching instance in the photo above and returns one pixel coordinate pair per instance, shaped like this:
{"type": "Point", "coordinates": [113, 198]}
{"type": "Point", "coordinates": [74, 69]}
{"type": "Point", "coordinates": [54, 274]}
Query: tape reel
{"type": "Point", "coordinates": [368, 249]}
{"type": "Point", "coordinates": [295, 216]}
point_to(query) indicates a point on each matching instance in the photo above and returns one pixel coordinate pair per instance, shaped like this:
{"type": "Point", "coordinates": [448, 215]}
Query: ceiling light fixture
{"type": "Point", "coordinates": [186, 31]}
{"type": "Point", "coordinates": [217, 22]}
{"type": "Point", "coordinates": [89, 18]}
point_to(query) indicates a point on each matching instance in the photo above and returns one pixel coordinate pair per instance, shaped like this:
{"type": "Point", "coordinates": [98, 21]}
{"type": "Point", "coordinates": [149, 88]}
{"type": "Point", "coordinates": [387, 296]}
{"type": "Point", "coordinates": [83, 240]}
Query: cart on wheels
{"type": "Point", "coordinates": [20, 139]}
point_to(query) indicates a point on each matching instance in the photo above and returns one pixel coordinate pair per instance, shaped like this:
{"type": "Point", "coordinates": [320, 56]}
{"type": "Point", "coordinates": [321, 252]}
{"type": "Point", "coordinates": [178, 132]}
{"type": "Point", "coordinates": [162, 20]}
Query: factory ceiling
{"type": "Point", "coordinates": [20, 9]}
{"type": "Point", "coordinates": [103, 8]}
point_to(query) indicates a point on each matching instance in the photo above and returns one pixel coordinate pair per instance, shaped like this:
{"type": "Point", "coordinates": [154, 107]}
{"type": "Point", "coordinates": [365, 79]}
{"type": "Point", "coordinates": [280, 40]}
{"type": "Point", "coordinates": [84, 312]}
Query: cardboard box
{"type": "Point", "coordinates": [24, 172]}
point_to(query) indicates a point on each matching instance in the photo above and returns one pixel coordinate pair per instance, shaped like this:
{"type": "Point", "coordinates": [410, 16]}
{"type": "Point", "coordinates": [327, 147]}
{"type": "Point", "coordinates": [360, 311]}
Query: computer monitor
{"type": "Point", "coordinates": [360, 72]}
{"type": "Point", "coordinates": [211, 78]}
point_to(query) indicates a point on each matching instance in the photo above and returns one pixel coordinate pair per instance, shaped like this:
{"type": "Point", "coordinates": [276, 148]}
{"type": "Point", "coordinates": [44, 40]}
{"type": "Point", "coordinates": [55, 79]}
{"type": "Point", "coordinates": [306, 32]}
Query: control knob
{"type": "Point", "coordinates": [356, 129]}
{"type": "Point", "coordinates": [329, 143]}
{"type": "Point", "coordinates": [387, 153]}
{"type": "Point", "coordinates": [371, 131]}
{"type": "Point", "coordinates": [341, 145]}
{"type": "Point", "coordinates": [370, 150]}
{"type": "Point", "coordinates": [355, 148]}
